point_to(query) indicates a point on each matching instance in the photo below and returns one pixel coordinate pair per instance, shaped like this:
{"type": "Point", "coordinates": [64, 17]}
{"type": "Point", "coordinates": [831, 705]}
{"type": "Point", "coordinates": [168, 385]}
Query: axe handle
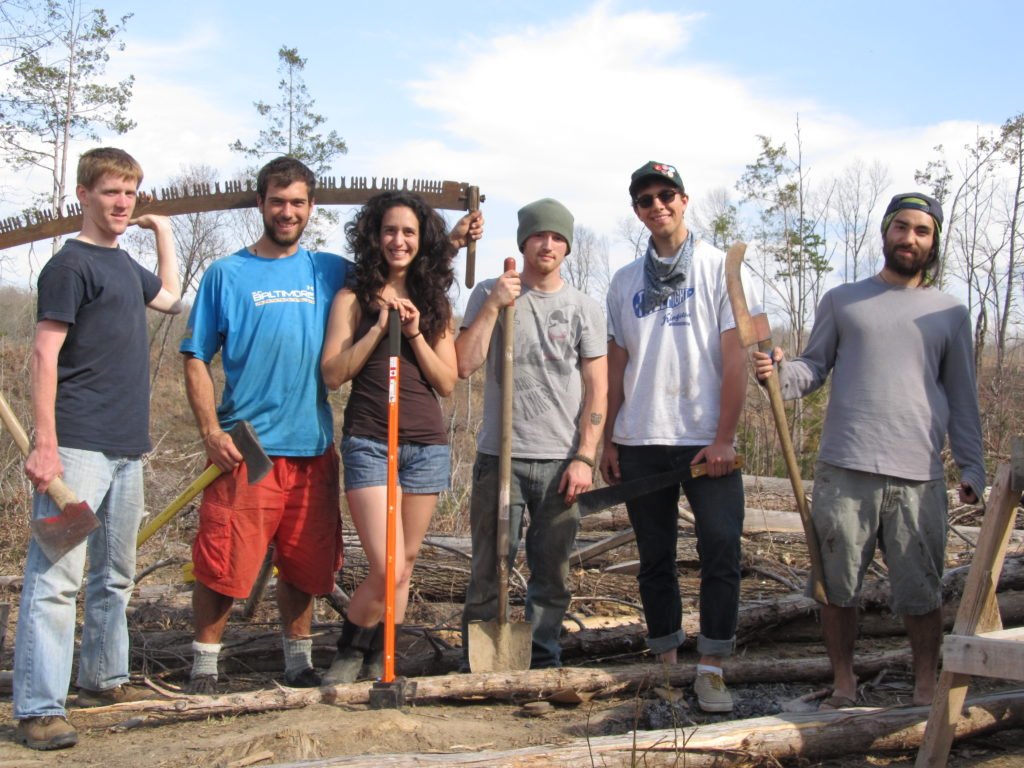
{"type": "Point", "coordinates": [57, 489]}
{"type": "Point", "coordinates": [212, 473]}
{"type": "Point", "coordinates": [793, 468]}
{"type": "Point", "coordinates": [472, 204]}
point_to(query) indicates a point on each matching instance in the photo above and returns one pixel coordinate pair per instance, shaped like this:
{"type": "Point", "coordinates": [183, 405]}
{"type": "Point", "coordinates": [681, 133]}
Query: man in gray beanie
{"type": "Point", "coordinates": [904, 378]}
{"type": "Point", "coordinates": [559, 402]}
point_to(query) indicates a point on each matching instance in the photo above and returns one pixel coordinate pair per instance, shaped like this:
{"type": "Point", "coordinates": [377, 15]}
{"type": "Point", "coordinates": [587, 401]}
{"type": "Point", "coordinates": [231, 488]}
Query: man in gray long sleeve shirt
{"type": "Point", "coordinates": [903, 377]}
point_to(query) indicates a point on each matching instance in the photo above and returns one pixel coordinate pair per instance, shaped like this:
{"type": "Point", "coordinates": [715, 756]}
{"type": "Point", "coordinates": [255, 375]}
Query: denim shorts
{"type": "Point", "coordinates": [421, 468]}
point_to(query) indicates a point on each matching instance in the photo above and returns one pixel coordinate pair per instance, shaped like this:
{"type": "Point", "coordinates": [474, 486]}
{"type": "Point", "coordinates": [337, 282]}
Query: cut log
{"type": "Point", "coordinates": [502, 686]}
{"type": "Point", "coordinates": [757, 741]}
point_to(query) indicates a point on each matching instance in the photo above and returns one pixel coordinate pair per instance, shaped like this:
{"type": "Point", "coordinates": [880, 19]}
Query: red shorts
{"type": "Point", "coordinates": [296, 506]}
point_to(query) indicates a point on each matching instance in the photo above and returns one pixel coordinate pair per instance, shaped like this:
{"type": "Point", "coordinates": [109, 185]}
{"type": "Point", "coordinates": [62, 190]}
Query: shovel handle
{"type": "Point", "coordinates": [505, 457]}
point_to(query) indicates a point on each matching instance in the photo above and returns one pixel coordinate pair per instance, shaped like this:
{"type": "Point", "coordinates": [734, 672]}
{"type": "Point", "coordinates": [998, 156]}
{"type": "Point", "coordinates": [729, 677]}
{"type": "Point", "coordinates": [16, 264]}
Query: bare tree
{"type": "Point", "coordinates": [857, 192]}
{"type": "Point", "coordinates": [632, 231]}
{"type": "Point", "coordinates": [586, 266]}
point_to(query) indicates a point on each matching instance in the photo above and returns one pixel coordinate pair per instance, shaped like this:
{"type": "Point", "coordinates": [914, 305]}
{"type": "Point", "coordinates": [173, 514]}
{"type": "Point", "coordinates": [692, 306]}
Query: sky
{"type": "Point", "coordinates": [557, 99]}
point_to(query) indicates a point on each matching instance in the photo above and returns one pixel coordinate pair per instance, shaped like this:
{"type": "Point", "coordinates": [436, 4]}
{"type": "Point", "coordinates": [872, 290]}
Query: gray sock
{"type": "Point", "coordinates": [204, 659]}
{"type": "Point", "coordinates": [298, 655]}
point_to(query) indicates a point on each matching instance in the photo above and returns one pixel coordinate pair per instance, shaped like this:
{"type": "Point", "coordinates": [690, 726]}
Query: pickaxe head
{"type": "Point", "coordinates": [257, 463]}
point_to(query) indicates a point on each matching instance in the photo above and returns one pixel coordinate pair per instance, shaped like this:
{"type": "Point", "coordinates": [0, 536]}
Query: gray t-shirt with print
{"type": "Point", "coordinates": [553, 333]}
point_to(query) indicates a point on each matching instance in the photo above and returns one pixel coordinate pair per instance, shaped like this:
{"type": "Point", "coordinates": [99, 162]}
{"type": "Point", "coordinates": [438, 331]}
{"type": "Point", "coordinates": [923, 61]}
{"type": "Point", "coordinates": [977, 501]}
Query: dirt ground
{"type": "Point", "coordinates": [320, 731]}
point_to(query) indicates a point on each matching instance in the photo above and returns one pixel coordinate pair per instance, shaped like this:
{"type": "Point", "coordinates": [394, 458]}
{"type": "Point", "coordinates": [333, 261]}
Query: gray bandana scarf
{"type": "Point", "coordinates": [661, 280]}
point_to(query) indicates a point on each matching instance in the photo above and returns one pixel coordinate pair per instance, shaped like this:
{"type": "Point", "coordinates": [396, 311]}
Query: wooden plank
{"type": "Point", "coordinates": [600, 547]}
{"type": "Point", "coordinates": [978, 613]}
{"type": "Point", "coordinates": [994, 654]}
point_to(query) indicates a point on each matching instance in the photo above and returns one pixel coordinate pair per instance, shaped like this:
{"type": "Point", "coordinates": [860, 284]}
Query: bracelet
{"type": "Point", "coordinates": [410, 338]}
{"type": "Point", "coordinates": [585, 459]}
{"type": "Point", "coordinates": [211, 433]}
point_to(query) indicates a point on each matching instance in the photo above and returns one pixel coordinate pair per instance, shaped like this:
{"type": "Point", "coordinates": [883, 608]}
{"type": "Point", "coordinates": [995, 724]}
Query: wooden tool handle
{"type": "Point", "coordinates": [211, 473]}
{"type": "Point", "coordinates": [14, 427]}
{"type": "Point", "coordinates": [505, 457]}
{"type": "Point", "coordinates": [473, 204]}
{"type": "Point", "coordinates": [57, 488]}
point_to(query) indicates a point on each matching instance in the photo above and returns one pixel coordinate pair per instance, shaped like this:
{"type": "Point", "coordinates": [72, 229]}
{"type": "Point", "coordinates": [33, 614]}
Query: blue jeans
{"type": "Point", "coordinates": [549, 541]}
{"type": "Point", "coordinates": [717, 505]}
{"type": "Point", "coordinates": [45, 640]}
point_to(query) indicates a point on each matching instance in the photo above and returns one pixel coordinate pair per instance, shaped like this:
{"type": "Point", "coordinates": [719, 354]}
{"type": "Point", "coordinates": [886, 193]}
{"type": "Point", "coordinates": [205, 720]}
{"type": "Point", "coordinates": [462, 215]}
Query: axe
{"type": "Point", "coordinates": [602, 498]}
{"type": "Point", "coordinates": [757, 331]}
{"type": "Point", "coordinates": [59, 534]}
{"type": "Point", "coordinates": [257, 465]}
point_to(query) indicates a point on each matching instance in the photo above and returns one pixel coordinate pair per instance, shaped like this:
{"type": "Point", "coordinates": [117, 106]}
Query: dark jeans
{"type": "Point", "coordinates": [717, 505]}
{"type": "Point", "coordinates": [549, 541]}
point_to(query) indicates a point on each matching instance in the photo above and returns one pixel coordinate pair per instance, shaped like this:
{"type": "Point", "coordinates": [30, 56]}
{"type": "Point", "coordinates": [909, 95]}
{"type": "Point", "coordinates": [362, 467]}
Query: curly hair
{"type": "Point", "coordinates": [430, 275]}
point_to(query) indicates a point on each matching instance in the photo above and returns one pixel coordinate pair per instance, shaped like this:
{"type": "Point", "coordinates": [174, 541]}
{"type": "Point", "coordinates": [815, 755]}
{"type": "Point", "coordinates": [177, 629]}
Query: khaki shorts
{"type": "Point", "coordinates": [853, 511]}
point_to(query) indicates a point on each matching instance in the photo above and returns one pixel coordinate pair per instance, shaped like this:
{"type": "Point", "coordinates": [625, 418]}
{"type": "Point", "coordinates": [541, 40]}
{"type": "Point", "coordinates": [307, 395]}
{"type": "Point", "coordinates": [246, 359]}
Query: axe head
{"type": "Point", "coordinates": [257, 463]}
{"type": "Point", "coordinates": [59, 534]}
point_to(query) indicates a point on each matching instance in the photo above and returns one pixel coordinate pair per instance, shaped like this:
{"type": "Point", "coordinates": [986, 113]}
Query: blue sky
{"type": "Point", "coordinates": [564, 99]}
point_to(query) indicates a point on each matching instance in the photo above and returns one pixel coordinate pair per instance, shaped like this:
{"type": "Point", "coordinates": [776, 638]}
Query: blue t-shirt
{"type": "Point", "coordinates": [267, 317]}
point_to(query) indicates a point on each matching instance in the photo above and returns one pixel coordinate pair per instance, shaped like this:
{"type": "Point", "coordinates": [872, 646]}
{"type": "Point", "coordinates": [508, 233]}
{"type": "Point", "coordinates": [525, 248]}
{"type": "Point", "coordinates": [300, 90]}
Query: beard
{"type": "Point", "coordinates": [902, 264]}
{"type": "Point", "coordinates": [284, 241]}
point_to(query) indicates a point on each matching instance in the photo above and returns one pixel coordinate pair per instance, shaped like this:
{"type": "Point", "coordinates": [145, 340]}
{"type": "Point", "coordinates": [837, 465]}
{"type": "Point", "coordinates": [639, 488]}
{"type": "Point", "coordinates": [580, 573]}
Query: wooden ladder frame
{"type": "Point", "coordinates": [978, 644]}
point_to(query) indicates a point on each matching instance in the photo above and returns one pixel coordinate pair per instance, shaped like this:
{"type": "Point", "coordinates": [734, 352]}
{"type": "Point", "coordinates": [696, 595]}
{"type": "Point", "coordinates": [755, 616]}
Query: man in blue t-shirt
{"type": "Point", "coordinates": [90, 408]}
{"type": "Point", "coordinates": [264, 309]}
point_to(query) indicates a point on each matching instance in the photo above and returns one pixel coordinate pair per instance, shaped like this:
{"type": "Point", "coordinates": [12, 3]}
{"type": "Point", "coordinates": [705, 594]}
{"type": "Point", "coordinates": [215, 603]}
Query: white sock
{"type": "Point", "coordinates": [709, 669]}
{"type": "Point", "coordinates": [204, 659]}
{"type": "Point", "coordinates": [298, 655]}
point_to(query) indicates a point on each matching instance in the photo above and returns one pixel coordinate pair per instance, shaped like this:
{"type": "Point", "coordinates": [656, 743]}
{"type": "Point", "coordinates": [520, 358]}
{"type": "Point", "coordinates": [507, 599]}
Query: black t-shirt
{"type": "Point", "coordinates": [103, 367]}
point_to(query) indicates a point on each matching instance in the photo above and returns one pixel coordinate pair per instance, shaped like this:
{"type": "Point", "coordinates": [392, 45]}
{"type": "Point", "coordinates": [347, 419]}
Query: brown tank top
{"type": "Point", "coordinates": [419, 411]}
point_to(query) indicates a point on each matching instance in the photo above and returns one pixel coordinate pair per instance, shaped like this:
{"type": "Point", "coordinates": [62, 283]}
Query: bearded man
{"type": "Point", "coordinates": [903, 362]}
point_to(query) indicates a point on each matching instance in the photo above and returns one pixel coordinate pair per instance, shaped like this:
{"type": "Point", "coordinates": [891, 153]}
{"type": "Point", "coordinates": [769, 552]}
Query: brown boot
{"type": "Point", "coordinates": [116, 695]}
{"type": "Point", "coordinates": [46, 732]}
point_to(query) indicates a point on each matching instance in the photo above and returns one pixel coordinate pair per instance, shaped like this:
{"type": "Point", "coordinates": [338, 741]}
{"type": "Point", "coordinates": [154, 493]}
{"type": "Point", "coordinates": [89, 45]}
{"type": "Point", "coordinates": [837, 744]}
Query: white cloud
{"type": "Point", "coordinates": [571, 108]}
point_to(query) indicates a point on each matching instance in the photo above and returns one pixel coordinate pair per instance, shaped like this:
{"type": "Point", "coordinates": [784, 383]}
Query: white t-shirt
{"type": "Point", "coordinates": [673, 382]}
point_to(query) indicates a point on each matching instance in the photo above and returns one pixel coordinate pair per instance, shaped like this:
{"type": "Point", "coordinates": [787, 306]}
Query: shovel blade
{"type": "Point", "coordinates": [59, 534]}
{"type": "Point", "coordinates": [499, 647]}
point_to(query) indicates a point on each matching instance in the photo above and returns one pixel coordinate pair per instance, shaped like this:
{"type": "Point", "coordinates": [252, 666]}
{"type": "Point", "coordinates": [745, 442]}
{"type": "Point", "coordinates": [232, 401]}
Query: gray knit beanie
{"type": "Point", "coordinates": [545, 215]}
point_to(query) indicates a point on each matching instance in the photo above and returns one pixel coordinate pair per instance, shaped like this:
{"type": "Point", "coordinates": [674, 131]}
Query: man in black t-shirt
{"type": "Point", "coordinates": [90, 407]}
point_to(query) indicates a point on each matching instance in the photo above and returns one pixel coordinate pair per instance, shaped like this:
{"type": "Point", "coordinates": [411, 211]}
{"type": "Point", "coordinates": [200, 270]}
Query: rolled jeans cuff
{"type": "Point", "coordinates": [707, 646]}
{"type": "Point", "coordinates": [659, 645]}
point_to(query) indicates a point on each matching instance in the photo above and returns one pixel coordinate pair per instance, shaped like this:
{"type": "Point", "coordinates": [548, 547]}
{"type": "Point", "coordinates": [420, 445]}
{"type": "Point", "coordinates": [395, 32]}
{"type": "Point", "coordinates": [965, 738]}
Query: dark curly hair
{"type": "Point", "coordinates": [430, 276]}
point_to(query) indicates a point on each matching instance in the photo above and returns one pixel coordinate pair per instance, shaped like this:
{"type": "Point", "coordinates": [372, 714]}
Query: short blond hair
{"type": "Point", "coordinates": [95, 163]}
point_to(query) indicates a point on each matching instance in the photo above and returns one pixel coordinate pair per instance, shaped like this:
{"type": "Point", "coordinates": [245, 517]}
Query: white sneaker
{"type": "Point", "coordinates": [712, 695]}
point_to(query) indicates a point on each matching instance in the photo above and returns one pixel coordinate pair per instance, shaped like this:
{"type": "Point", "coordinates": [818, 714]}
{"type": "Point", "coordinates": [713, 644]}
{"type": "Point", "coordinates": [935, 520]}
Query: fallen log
{"type": "Point", "coordinates": [885, 624]}
{"type": "Point", "coordinates": [757, 741]}
{"type": "Point", "coordinates": [528, 685]}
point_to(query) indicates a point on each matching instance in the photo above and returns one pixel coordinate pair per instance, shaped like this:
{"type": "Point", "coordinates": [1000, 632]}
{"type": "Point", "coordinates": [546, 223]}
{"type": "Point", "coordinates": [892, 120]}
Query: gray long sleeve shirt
{"type": "Point", "coordinates": [902, 377]}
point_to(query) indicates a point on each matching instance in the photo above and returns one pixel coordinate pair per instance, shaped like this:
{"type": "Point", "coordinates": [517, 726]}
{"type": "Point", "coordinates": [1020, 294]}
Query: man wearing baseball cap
{"type": "Point", "coordinates": [903, 362]}
{"type": "Point", "coordinates": [676, 385]}
{"type": "Point", "coordinates": [559, 401]}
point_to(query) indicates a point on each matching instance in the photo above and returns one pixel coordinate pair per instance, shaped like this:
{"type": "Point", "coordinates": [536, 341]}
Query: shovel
{"type": "Point", "coordinates": [500, 645]}
{"type": "Point", "coordinates": [59, 534]}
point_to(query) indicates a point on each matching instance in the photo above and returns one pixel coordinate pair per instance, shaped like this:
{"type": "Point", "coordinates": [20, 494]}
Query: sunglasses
{"type": "Point", "coordinates": [666, 196]}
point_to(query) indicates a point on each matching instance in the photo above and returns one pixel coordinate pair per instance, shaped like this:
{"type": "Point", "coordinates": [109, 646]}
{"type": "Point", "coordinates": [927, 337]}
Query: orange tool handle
{"type": "Point", "coordinates": [394, 349]}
